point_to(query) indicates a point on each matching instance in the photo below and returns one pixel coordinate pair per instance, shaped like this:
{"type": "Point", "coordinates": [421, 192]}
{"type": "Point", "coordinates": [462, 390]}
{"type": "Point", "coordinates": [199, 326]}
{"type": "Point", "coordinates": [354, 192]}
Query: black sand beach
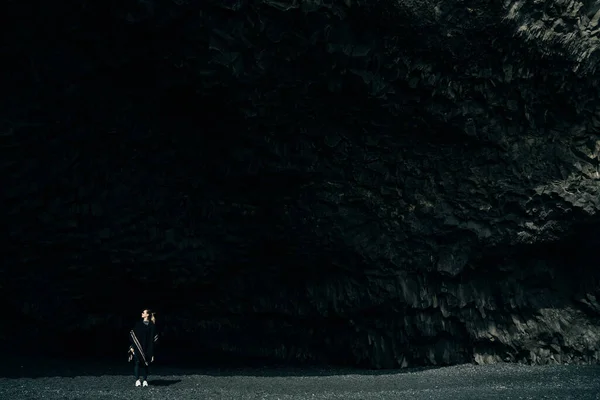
{"type": "Point", "coordinates": [55, 379]}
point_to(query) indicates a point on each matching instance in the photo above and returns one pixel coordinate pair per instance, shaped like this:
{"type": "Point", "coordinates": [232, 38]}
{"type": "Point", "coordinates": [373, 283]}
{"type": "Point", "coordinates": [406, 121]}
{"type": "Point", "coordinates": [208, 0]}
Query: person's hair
{"type": "Point", "coordinates": [152, 315]}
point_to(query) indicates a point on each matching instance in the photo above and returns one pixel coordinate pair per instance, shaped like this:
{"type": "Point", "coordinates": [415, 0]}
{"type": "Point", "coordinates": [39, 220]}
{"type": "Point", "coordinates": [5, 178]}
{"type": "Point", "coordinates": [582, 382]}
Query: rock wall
{"type": "Point", "coordinates": [385, 184]}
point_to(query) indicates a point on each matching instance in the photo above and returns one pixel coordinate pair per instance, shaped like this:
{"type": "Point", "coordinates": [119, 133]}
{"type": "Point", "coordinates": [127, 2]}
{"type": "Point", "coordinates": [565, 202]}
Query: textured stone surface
{"type": "Point", "coordinates": [101, 381]}
{"type": "Point", "coordinates": [384, 184]}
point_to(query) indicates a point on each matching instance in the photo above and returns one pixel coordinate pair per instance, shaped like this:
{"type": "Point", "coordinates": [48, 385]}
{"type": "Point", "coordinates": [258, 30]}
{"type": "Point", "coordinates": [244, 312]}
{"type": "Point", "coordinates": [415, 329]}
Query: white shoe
{"type": "Point", "coordinates": [138, 383]}
{"type": "Point", "coordinates": [145, 384]}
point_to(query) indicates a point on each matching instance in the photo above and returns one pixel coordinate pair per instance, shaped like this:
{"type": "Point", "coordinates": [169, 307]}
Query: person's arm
{"type": "Point", "coordinates": [137, 347]}
{"type": "Point", "coordinates": [131, 351]}
{"type": "Point", "coordinates": [154, 340]}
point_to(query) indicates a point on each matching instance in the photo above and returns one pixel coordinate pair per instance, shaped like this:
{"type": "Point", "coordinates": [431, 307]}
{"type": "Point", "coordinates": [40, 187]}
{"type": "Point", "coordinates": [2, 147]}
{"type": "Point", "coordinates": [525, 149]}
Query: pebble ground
{"type": "Point", "coordinates": [67, 381]}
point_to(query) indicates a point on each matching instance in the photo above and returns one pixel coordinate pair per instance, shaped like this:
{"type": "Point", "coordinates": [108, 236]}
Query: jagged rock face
{"type": "Point", "coordinates": [391, 184]}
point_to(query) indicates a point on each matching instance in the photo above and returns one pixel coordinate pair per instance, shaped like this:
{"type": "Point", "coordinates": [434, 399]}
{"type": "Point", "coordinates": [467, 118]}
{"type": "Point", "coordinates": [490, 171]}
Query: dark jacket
{"type": "Point", "coordinates": [143, 339]}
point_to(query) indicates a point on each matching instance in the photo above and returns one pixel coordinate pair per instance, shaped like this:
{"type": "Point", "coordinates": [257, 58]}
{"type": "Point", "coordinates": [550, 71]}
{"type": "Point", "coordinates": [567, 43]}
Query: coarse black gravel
{"type": "Point", "coordinates": [77, 380]}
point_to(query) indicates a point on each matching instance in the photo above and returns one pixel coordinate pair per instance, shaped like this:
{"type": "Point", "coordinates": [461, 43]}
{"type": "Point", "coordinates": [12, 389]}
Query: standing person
{"type": "Point", "coordinates": [143, 338]}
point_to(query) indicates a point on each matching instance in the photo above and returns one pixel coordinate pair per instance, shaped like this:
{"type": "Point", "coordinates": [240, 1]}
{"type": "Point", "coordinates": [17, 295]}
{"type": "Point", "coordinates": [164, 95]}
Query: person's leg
{"type": "Point", "coordinates": [145, 375]}
{"type": "Point", "coordinates": [136, 369]}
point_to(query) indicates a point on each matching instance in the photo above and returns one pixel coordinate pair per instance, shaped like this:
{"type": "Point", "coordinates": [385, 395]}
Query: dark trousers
{"type": "Point", "coordinates": [136, 369]}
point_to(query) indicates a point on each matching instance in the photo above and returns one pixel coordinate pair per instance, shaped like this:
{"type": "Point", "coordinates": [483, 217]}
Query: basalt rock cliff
{"type": "Point", "coordinates": [383, 183]}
